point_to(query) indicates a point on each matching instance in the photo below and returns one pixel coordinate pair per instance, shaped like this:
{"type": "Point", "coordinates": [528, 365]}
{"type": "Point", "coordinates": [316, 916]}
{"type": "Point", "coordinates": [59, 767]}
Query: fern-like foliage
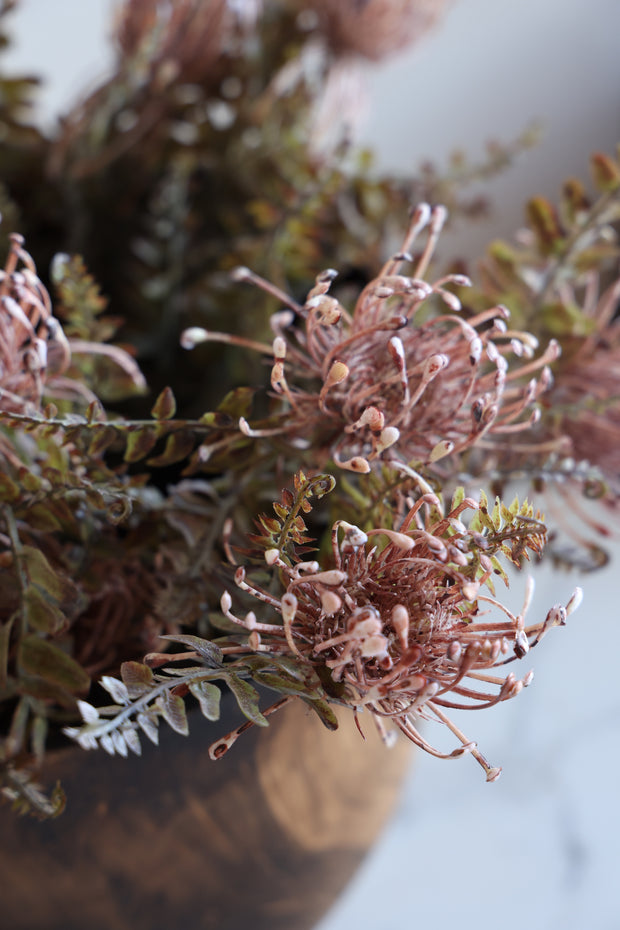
{"type": "Point", "coordinates": [143, 696]}
{"type": "Point", "coordinates": [286, 532]}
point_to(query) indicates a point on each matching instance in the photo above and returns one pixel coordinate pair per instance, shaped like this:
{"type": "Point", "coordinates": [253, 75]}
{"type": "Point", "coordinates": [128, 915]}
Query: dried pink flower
{"type": "Point", "coordinates": [32, 343]}
{"type": "Point", "coordinates": [34, 350]}
{"type": "Point", "coordinates": [376, 383]}
{"type": "Point", "coordinates": [397, 620]}
{"type": "Point", "coordinates": [183, 40]}
{"type": "Point", "coordinates": [374, 28]}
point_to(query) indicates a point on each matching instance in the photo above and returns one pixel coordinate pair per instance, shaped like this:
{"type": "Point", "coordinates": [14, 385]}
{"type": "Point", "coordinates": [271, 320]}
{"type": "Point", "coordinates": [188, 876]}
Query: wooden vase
{"type": "Point", "coordinates": [266, 837]}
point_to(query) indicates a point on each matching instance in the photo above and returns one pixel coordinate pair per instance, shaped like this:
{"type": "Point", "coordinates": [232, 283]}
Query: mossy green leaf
{"type": "Point", "coordinates": [178, 446]}
{"type": "Point", "coordinates": [209, 651]}
{"type": "Point", "coordinates": [165, 406]}
{"type": "Point", "coordinates": [172, 709]}
{"type": "Point", "coordinates": [137, 678]}
{"type": "Point", "coordinates": [138, 444]}
{"type": "Point", "coordinates": [37, 656]}
{"type": "Point", "coordinates": [208, 696]}
{"type": "Point", "coordinates": [9, 491]}
{"type": "Point", "coordinates": [247, 698]}
{"type": "Point", "coordinates": [325, 712]}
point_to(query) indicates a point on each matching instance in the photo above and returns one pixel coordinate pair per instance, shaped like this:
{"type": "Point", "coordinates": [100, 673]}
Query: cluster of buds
{"type": "Point", "coordinates": [381, 383]}
{"type": "Point", "coordinates": [399, 623]}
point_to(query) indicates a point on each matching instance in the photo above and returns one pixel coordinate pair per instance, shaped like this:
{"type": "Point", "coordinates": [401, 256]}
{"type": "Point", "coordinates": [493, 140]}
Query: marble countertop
{"type": "Point", "coordinates": [541, 846]}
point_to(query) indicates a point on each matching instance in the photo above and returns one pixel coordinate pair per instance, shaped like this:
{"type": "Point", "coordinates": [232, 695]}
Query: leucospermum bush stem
{"type": "Point", "coordinates": [379, 383]}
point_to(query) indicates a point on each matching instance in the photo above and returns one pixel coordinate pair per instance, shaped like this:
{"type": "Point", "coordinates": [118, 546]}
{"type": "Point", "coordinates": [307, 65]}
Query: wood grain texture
{"type": "Point", "coordinates": [266, 837]}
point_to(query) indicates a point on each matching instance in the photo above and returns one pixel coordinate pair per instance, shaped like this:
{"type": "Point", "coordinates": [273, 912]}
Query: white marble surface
{"type": "Point", "coordinates": [541, 847]}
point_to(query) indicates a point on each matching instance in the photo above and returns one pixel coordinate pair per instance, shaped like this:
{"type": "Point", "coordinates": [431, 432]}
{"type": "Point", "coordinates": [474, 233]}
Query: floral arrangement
{"type": "Point", "coordinates": [314, 526]}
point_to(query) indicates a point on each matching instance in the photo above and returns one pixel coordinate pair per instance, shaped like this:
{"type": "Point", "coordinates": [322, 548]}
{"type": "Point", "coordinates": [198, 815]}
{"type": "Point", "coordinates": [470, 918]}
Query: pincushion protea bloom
{"type": "Point", "coordinates": [394, 622]}
{"type": "Point", "coordinates": [377, 383]}
{"type": "Point", "coordinates": [398, 621]}
{"type": "Point", "coordinates": [34, 350]}
{"type": "Point", "coordinates": [32, 343]}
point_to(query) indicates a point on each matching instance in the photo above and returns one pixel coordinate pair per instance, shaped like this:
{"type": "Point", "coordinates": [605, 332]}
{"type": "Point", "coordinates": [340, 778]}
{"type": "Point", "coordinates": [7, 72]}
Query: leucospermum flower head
{"type": "Point", "coordinates": [375, 28]}
{"type": "Point", "coordinates": [398, 623]}
{"type": "Point", "coordinates": [402, 622]}
{"type": "Point", "coordinates": [380, 382]}
{"type": "Point", "coordinates": [35, 352]}
{"type": "Point", "coordinates": [32, 343]}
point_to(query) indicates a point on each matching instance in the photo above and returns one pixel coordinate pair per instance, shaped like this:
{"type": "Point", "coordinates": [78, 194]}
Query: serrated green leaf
{"type": "Point", "coordinates": [499, 569]}
{"type": "Point", "coordinates": [247, 698]}
{"type": "Point", "coordinates": [37, 656]}
{"type": "Point", "coordinates": [496, 518]}
{"type": "Point", "coordinates": [208, 696]}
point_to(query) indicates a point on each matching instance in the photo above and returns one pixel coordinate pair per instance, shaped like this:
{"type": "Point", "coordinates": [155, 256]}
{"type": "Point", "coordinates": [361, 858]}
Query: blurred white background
{"type": "Point", "coordinates": [541, 847]}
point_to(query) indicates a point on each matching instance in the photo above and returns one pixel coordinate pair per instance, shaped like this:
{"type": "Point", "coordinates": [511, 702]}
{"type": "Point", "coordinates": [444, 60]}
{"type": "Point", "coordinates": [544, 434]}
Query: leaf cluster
{"type": "Point", "coordinates": [286, 532]}
{"type": "Point", "coordinates": [542, 278]}
{"type": "Point", "coordinates": [144, 697]}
